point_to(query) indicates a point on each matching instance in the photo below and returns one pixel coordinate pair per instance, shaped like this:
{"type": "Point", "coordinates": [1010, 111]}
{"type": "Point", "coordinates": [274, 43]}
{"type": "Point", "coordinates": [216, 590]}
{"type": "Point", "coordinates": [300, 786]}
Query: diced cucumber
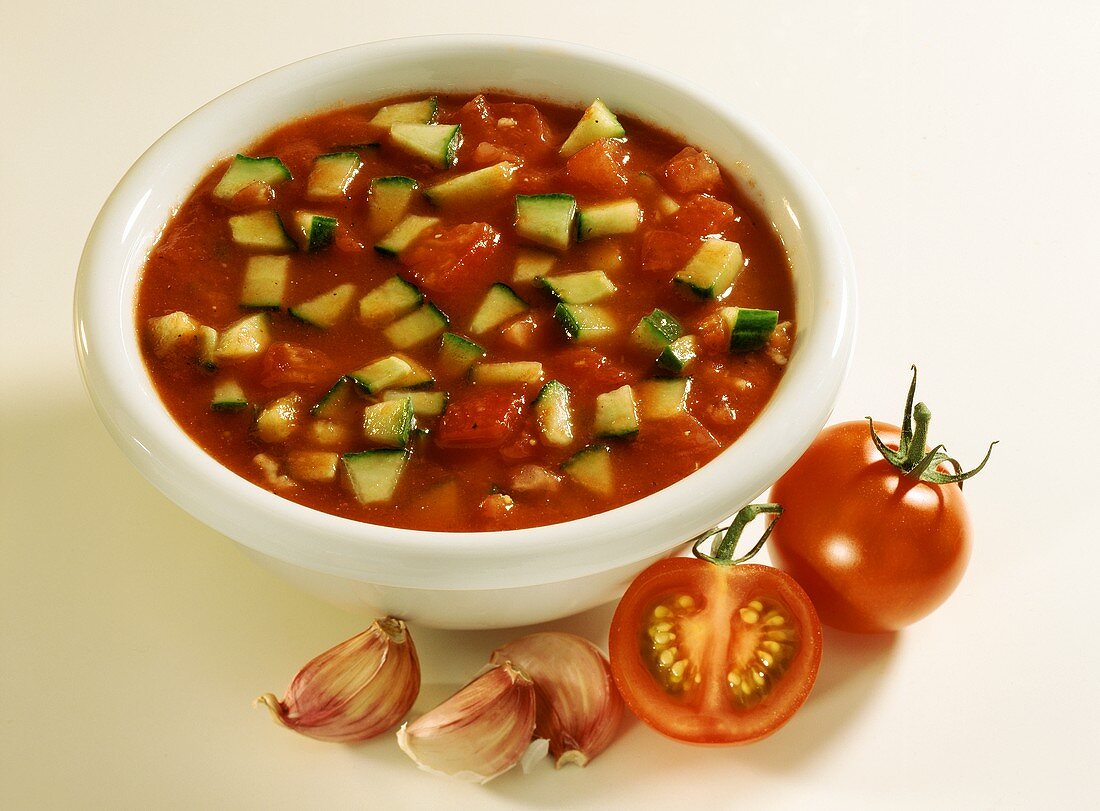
{"type": "Point", "coordinates": [435, 143]}
{"type": "Point", "coordinates": [421, 324]}
{"type": "Point", "coordinates": [554, 417]}
{"type": "Point", "coordinates": [608, 219]}
{"type": "Point", "coordinates": [208, 344]}
{"type": "Point", "coordinates": [530, 265]}
{"type": "Point", "coordinates": [312, 466]}
{"type": "Point", "coordinates": [332, 174]}
{"type": "Point", "coordinates": [546, 218]}
{"type": "Point", "coordinates": [168, 332]}
{"type": "Point", "coordinates": [656, 331]}
{"type": "Point", "coordinates": [404, 234]}
{"type": "Point", "coordinates": [389, 201]}
{"type": "Point", "coordinates": [417, 378]}
{"type": "Point", "coordinates": [260, 230]}
{"type": "Point", "coordinates": [748, 329]}
{"type": "Point", "coordinates": [406, 112]}
{"type": "Point", "coordinates": [326, 309]}
{"type": "Point", "coordinates": [228, 396]}
{"type": "Point", "coordinates": [596, 123]}
{"type": "Point", "coordinates": [334, 400]}
{"type": "Point", "coordinates": [510, 372]}
{"type": "Point", "coordinates": [458, 354]}
{"type": "Point", "coordinates": [244, 171]}
{"type": "Point", "coordinates": [391, 299]}
{"type": "Point", "coordinates": [713, 268]}
{"type": "Point", "coordinates": [278, 419]}
{"type": "Point", "coordinates": [265, 282]}
{"type": "Point", "coordinates": [666, 206]}
{"type": "Point", "coordinates": [245, 338]}
{"type": "Point", "coordinates": [579, 288]}
{"type": "Point", "coordinates": [616, 413]}
{"type": "Point", "coordinates": [584, 323]}
{"type": "Point", "coordinates": [663, 398]}
{"type": "Point", "coordinates": [481, 184]}
{"type": "Point", "coordinates": [382, 374]}
{"type": "Point", "coordinates": [591, 468]}
{"type": "Point", "coordinates": [389, 422]}
{"type": "Point", "coordinates": [424, 403]}
{"type": "Point", "coordinates": [317, 230]}
{"type": "Point", "coordinates": [678, 355]}
{"type": "Point", "coordinates": [374, 474]}
{"type": "Point", "coordinates": [500, 304]}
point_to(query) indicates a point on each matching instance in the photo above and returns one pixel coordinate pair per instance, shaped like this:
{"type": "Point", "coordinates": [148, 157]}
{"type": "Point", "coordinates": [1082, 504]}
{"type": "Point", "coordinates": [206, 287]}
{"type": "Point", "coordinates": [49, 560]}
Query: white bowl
{"type": "Point", "coordinates": [461, 580]}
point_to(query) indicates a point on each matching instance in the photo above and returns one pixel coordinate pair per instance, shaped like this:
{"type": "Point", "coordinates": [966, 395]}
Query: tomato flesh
{"type": "Point", "coordinates": [714, 654]}
{"type": "Point", "coordinates": [875, 550]}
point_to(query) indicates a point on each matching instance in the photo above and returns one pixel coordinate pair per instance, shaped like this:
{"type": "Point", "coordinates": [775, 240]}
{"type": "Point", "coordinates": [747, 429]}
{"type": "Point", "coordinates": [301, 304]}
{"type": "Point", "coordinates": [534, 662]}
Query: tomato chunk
{"type": "Point", "coordinates": [585, 371]}
{"type": "Point", "coordinates": [480, 419]}
{"type": "Point", "coordinates": [691, 170]}
{"type": "Point", "coordinates": [665, 252]}
{"type": "Point", "coordinates": [703, 216]}
{"type": "Point", "coordinates": [292, 364]}
{"type": "Point", "coordinates": [457, 257]}
{"type": "Point", "coordinates": [518, 129]}
{"type": "Point", "coordinates": [600, 166]}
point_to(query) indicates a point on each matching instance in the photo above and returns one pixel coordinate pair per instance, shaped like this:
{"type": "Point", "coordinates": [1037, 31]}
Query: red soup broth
{"type": "Point", "coordinates": [487, 462]}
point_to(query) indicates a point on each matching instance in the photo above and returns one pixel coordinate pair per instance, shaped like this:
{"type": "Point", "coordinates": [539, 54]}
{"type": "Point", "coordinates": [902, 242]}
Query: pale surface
{"type": "Point", "coordinates": [958, 147]}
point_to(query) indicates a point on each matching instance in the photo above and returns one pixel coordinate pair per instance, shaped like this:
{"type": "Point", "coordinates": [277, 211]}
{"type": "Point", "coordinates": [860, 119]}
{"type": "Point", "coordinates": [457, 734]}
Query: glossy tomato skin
{"type": "Point", "coordinates": [875, 550]}
{"type": "Point", "coordinates": [704, 714]}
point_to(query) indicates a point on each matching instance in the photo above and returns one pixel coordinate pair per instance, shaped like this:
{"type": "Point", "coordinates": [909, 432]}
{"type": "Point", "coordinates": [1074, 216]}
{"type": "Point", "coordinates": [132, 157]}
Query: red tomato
{"type": "Point", "coordinates": [876, 549]}
{"type": "Point", "coordinates": [516, 128]}
{"type": "Point", "coordinates": [703, 216]}
{"type": "Point", "coordinates": [586, 372]}
{"type": "Point", "coordinates": [690, 170]}
{"type": "Point", "coordinates": [290, 364]}
{"type": "Point", "coordinates": [480, 419]}
{"type": "Point", "coordinates": [455, 258]}
{"type": "Point", "coordinates": [714, 653]}
{"type": "Point", "coordinates": [665, 253]}
{"type": "Point", "coordinates": [600, 166]}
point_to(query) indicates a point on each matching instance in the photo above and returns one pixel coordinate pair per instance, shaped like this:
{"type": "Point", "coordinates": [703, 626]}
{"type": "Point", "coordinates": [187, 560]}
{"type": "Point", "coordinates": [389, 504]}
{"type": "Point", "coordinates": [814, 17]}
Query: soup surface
{"type": "Point", "coordinates": [466, 314]}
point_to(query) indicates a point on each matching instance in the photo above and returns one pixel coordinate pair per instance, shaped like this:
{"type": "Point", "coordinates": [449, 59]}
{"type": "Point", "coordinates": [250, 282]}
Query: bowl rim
{"type": "Point", "coordinates": [327, 543]}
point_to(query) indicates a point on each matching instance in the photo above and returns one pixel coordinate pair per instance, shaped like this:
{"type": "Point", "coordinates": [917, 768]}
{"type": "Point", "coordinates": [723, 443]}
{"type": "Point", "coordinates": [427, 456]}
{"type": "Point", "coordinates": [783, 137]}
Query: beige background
{"type": "Point", "coordinates": [959, 148]}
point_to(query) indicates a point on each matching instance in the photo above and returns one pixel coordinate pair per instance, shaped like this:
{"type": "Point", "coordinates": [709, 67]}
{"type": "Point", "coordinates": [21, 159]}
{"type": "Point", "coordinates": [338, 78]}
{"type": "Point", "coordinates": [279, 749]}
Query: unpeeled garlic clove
{"type": "Point", "coordinates": [578, 706]}
{"type": "Point", "coordinates": [354, 691]}
{"type": "Point", "coordinates": [478, 733]}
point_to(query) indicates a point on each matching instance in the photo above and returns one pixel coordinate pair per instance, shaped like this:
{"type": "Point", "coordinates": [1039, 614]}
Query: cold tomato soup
{"type": "Point", "coordinates": [466, 314]}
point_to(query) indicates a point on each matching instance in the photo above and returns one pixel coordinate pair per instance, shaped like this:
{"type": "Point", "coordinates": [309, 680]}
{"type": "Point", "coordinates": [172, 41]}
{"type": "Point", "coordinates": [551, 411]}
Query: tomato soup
{"type": "Point", "coordinates": [466, 314]}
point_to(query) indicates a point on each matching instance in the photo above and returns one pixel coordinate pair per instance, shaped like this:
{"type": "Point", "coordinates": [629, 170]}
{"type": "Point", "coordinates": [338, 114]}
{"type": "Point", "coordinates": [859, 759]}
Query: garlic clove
{"type": "Point", "coordinates": [356, 690]}
{"type": "Point", "coordinates": [480, 732]}
{"type": "Point", "coordinates": [578, 706]}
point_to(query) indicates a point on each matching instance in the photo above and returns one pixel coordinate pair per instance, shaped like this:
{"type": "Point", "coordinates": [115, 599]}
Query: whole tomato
{"type": "Point", "coordinates": [875, 529]}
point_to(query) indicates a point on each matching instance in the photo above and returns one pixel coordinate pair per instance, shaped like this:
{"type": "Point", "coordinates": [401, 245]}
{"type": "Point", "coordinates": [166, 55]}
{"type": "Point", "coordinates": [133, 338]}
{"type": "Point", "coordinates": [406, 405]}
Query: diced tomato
{"type": "Point", "coordinates": [346, 241]}
{"type": "Point", "coordinates": [665, 252]}
{"type": "Point", "coordinates": [712, 334]}
{"type": "Point", "coordinates": [682, 436]}
{"type": "Point", "coordinates": [488, 154]}
{"type": "Point", "coordinates": [703, 216]}
{"type": "Point", "coordinates": [457, 257]}
{"type": "Point", "coordinates": [516, 128]}
{"type": "Point", "coordinates": [691, 170]}
{"type": "Point", "coordinates": [291, 364]}
{"type": "Point", "coordinates": [600, 166]}
{"type": "Point", "coordinates": [480, 419]}
{"type": "Point", "coordinates": [585, 371]}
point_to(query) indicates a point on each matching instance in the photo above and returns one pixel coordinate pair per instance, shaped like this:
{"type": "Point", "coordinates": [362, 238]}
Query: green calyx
{"type": "Point", "coordinates": [725, 540]}
{"type": "Point", "coordinates": [911, 458]}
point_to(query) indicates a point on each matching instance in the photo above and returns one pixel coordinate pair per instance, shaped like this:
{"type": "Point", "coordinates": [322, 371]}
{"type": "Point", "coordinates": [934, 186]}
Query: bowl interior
{"type": "Point", "coordinates": [144, 200]}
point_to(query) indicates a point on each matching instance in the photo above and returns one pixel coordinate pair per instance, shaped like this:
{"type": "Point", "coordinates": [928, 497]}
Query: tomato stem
{"type": "Point", "coordinates": [723, 548]}
{"type": "Point", "coordinates": [911, 458]}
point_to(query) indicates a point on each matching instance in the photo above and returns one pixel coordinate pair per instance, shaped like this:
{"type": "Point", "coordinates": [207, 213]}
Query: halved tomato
{"type": "Point", "coordinates": [712, 650]}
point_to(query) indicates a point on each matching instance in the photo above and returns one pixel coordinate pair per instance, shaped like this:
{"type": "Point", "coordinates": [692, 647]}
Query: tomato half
{"type": "Point", "coordinates": [876, 532]}
{"type": "Point", "coordinates": [714, 653]}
